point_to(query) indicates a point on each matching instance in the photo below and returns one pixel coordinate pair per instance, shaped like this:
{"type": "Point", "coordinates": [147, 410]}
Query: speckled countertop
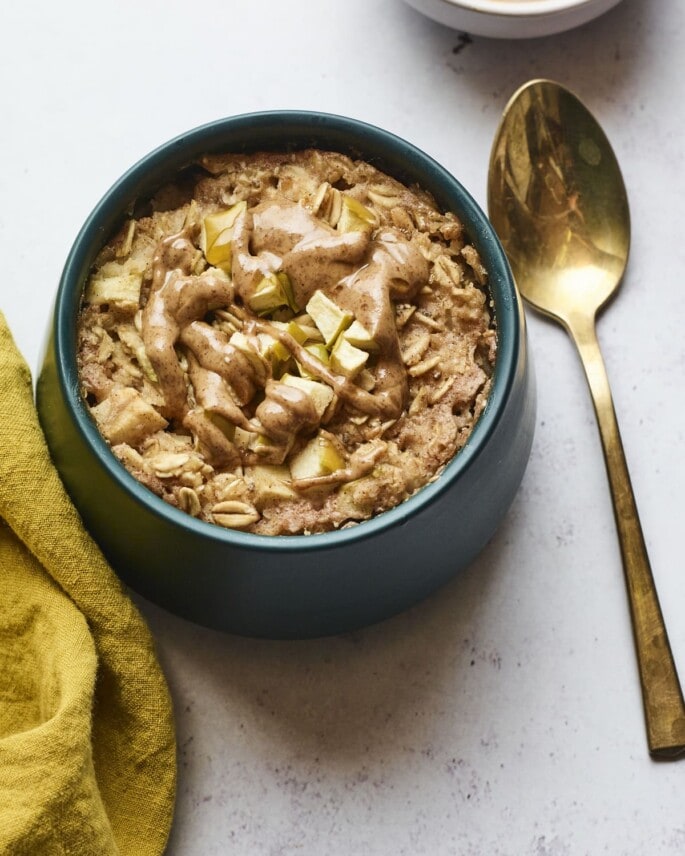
{"type": "Point", "coordinates": [503, 715]}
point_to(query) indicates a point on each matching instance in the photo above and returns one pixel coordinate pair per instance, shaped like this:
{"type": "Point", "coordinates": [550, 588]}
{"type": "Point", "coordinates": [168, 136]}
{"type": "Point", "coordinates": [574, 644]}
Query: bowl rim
{"type": "Point", "coordinates": [517, 8]}
{"type": "Point", "coordinates": [508, 314]}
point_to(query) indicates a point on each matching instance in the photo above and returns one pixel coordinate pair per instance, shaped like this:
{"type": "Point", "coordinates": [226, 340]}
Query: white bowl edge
{"type": "Point", "coordinates": [519, 19]}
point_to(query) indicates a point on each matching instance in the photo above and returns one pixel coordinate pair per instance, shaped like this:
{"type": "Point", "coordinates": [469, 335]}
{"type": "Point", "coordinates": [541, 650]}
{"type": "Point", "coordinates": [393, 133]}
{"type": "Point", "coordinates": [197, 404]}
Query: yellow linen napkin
{"type": "Point", "coordinates": [87, 746]}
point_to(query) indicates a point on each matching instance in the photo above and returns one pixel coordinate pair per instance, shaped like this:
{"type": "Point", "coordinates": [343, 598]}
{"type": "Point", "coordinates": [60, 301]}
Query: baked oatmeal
{"type": "Point", "coordinates": [286, 343]}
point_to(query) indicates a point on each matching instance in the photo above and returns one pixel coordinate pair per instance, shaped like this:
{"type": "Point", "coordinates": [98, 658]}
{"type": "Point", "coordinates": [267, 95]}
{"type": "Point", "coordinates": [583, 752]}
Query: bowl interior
{"type": "Point", "coordinates": [519, 8]}
{"type": "Point", "coordinates": [283, 131]}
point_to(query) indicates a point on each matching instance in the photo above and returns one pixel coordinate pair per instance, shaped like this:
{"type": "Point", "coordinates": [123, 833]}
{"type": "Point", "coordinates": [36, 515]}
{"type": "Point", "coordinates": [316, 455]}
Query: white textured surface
{"type": "Point", "coordinates": [503, 715]}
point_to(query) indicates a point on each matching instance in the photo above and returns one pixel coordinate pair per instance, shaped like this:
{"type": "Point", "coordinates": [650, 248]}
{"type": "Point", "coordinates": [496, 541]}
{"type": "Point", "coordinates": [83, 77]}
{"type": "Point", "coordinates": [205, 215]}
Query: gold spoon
{"type": "Point", "coordinates": [557, 200]}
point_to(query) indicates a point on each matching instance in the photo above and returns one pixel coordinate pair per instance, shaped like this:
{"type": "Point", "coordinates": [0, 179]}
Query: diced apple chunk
{"type": "Point", "coordinates": [320, 352]}
{"type": "Point", "coordinates": [244, 439]}
{"type": "Point", "coordinates": [320, 393]}
{"type": "Point", "coordinates": [273, 292]}
{"type": "Point", "coordinates": [307, 328]}
{"type": "Point", "coordinates": [272, 349]}
{"type": "Point", "coordinates": [248, 346]}
{"type": "Point", "coordinates": [293, 329]}
{"type": "Point", "coordinates": [125, 417]}
{"type": "Point", "coordinates": [328, 316]}
{"type": "Point", "coordinates": [346, 359]}
{"type": "Point", "coordinates": [318, 458]}
{"type": "Point", "coordinates": [357, 335]}
{"type": "Point", "coordinates": [217, 235]}
{"type": "Point", "coordinates": [271, 483]}
{"type": "Point", "coordinates": [115, 283]}
{"type": "Point", "coordinates": [355, 217]}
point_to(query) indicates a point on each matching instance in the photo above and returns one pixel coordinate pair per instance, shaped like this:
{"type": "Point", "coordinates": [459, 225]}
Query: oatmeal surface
{"type": "Point", "coordinates": [286, 343]}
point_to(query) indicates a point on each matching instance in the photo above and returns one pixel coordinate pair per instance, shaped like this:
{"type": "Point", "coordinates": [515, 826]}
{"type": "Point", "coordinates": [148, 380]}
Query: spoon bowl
{"type": "Point", "coordinates": [557, 200]}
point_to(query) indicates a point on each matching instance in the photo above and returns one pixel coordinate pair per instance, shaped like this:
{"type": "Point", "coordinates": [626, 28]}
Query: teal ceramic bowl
{"type": "Point", "coordinates": [291, 586]}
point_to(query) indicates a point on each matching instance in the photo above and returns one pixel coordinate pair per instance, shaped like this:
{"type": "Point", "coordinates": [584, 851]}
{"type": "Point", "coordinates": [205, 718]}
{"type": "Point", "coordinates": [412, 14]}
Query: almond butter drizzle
{"type": "Point", "coordinates": [361, 274]}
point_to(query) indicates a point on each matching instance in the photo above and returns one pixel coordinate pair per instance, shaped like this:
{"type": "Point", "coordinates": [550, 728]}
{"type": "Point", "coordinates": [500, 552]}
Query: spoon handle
{"type": "Point", "coordinates": [661, 693]}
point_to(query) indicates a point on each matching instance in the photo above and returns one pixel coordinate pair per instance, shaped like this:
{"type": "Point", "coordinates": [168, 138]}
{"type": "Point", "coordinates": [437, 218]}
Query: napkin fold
{"type": "Point", "coordinates": [87, 745]}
